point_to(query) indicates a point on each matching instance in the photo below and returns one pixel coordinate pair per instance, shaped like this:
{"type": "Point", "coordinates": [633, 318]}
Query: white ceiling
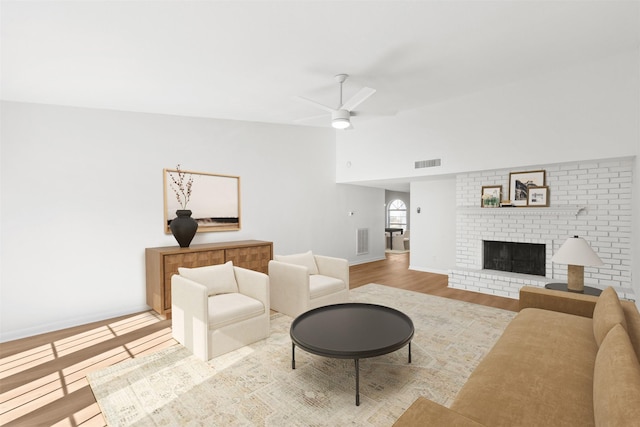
{"type": "Point", "coordinates": [248, 60]}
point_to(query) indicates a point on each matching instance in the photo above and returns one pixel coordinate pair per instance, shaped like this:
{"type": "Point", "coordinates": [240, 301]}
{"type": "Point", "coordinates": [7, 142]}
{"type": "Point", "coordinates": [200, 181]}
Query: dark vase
{"type": "Point", "coordinates": [183, 227]}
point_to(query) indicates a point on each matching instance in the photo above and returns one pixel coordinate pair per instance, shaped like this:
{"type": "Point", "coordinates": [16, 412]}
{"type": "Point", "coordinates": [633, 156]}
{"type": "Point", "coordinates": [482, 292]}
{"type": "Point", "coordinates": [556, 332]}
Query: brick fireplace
{"type": "Point", "coordinates": [592, 200]}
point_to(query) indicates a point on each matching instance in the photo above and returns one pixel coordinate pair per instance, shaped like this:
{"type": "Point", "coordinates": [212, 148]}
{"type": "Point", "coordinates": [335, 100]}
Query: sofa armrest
{"type": "Point", "coordinates": [289, 287]}
{"type": "Point", "coordinates": [333, 267]}
{"type": "Point", "coordinates": [632, 318]}
{"type": "Point", "coordinates": [189, 319]}
{"type": "Point", "coordinates": [424, 412]}
{"type": "Point", "coordinates": [564, 302]}
{"type": "Point", "coordinates": [253, 284]}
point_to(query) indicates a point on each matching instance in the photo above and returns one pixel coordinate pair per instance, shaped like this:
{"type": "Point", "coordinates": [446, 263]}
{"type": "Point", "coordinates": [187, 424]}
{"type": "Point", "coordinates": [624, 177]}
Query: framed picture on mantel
{"type": "Point", "coordinates": [538, 196]}
{"type": "Point", "coordinates": [491, 196]}
{"type": "Point", "coordinates": [519, 184]}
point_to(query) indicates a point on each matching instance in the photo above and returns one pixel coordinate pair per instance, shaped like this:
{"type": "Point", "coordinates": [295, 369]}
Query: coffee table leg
{"type": "Point", "coordinates": [409, 351]}
{"type": "Point", "coordinates": [357, 382]}
{"type": "Point", "coordinates": [293, 356]}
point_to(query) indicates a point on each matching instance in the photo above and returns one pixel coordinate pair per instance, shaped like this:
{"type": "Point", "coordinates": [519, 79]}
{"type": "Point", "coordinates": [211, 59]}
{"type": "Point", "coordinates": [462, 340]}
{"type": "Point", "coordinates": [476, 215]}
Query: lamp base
{"type": "Point", "coordinates": [575, 276]}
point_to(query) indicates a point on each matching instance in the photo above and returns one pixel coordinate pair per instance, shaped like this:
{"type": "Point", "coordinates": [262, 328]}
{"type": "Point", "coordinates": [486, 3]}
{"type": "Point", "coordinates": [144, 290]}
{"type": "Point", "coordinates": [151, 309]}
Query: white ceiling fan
{"type": "Point", "coordinates": [341, 116]}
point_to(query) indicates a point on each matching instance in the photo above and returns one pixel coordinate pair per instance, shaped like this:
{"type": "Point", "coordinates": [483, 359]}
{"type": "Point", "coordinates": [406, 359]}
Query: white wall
{"type": "Point", "coordinates": [635, 244]}
{"type": "Point", "coordinates": [82, 197]}
{"type": "Point", "coordinates": [635, 248]}
{"type": "Point", "coordinates": [433, 230]}
{"type": "Point", "coordinates": [591, 111]}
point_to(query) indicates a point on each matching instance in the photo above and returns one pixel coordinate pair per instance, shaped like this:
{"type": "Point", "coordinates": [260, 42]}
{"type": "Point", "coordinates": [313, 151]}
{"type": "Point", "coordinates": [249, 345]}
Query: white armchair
{"type": "Point", "coordinates": [305, 281]}
{"type": "Point", "coordinates": [219, 308]}
{"type": "Point", "coordinates": [397, 242]}
{"type": "Point", "coordinates": [400, 242]}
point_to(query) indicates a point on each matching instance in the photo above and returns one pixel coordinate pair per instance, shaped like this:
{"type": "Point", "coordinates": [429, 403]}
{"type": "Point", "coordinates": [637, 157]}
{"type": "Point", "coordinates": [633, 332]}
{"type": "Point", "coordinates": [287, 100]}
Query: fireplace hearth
{"type": "Point", "coordinates": [514, 257]}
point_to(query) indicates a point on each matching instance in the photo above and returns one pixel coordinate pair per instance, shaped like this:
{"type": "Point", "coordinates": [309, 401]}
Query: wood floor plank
{"type": "Point", "coordinates": [394, 271]}
{"type": "Point", "coordinates": [43, 378]}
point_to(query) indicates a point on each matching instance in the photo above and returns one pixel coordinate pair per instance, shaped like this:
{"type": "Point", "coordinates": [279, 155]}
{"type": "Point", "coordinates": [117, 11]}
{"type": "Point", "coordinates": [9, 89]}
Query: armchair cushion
{"type": "Point", "coordinates": [320, 285]}
{"type": "Point", "coordinates": [219, 279]}
{"type": "Point", "coordinates": [305, 259]}
{"type": "Point", "coordinates": [231, 308]}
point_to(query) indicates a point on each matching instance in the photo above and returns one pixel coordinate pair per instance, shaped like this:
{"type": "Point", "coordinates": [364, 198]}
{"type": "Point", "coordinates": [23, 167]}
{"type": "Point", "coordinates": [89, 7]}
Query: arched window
{"type": "Point", "coordinates": [397, 214]}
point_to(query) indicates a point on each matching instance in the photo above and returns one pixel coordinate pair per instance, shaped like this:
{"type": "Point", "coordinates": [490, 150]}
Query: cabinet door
{"type": "Point", "coordinates": [190, 260]}
{"type": "Point", "coordinates": [251, 257]}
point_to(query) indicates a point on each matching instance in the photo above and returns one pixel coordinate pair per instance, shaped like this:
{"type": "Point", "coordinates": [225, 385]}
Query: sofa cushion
{"type": "Point", "coordinates": [305, 259]}
{"type": "Point", "coordinates": [606, 314]}
{"type": "Point", "coordinates": [539, 373]}
{"type": "Point", "coordinates": [320, 285]}
{"type": "Point", "coordinates": [219, 279]}
{"type": "Point", "coordinates": [616, 382]}
{"type": "Point", "coordinates": [225, 309]}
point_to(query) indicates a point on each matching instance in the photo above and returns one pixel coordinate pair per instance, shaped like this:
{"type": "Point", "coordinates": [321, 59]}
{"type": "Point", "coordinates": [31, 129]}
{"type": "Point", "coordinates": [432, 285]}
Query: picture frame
{"type": "Point", "coordinates": [490, 196]}
{"type": "Point", "coordinates": [214, 200]}
{"type": "Point", "coordinates": [519, 184]}
{"type": "Point", "coordinates": [538, 196]}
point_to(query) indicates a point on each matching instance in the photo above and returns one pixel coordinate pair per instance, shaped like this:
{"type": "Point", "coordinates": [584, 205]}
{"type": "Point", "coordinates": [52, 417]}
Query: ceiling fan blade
{"type": "Point", "coordinates": [317, 104]}
{"type": "Point", "coordinates": [305, 119]}
{"type": "Point", "coordinates": [358, 98]}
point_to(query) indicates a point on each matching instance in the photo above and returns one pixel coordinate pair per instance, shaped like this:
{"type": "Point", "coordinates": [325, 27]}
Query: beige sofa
{"type": "Point", "coordinates": [565, 360]}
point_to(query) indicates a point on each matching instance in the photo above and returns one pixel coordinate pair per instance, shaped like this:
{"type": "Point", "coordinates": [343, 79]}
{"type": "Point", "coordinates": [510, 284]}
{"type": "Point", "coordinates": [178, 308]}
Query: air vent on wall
{"type": "Point", "coordinates": [427, 163]}
{"type": "Point", "coordinates": [362, 241]}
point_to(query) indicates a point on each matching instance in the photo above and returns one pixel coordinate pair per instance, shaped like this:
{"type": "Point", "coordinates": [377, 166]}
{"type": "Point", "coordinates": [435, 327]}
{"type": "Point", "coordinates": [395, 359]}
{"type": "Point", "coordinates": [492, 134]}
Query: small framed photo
{"type": "Point", "coordinates": [491, 196]}
{"type": "Point", "coordinates": [519, 184]}
{"type": "Point", "coordinates": [538, 196]}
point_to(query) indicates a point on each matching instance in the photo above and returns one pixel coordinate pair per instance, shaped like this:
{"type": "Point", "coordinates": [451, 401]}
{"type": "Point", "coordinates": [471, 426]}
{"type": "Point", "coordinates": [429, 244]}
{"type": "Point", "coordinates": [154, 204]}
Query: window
{"type": "Point", "coordinates": [397, 215]}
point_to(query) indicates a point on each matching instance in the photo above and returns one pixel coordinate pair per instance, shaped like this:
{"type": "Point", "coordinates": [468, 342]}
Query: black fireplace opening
{"type": "Point", "coordinates": [524, 258]}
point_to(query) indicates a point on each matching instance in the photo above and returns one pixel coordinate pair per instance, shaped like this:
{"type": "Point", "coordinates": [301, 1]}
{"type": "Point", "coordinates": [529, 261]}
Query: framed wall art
{"type": "Point", "coordinates": [519, 184]}
{"type": "Point", "coordinates": [213, 199]}
{"type": "Point", "coordinates": [491, 196]}
{"type": "Point", "coordinates": [538, 196]}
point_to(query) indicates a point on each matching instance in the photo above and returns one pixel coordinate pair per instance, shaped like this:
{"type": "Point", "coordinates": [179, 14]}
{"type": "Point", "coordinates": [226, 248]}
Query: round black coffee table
{"type": "Point", "coordinates": [351, 331]}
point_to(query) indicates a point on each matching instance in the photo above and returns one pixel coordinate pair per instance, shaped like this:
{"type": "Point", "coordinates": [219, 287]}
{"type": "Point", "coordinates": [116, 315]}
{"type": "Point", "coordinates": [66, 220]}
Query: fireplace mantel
{"type": "Point", "coordinates": [573, 210]}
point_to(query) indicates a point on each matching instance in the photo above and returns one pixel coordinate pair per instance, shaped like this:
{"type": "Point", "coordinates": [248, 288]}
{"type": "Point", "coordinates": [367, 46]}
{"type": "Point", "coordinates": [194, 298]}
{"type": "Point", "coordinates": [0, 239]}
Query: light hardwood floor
{"type": "Point", "coordinates": [42, 378]}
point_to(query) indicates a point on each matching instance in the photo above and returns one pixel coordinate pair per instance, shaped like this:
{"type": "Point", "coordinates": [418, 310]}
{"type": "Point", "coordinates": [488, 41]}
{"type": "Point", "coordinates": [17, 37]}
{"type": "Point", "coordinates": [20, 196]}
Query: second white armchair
{"type": "Point", "coordinates": [305, 281]}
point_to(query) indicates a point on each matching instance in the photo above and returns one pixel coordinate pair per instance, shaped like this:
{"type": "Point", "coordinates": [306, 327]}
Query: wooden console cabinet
{"type": "Point", "coordinates": [163, 262]}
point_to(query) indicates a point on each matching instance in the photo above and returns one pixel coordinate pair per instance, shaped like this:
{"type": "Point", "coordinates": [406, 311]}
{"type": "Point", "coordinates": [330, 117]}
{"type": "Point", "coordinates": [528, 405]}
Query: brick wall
{"type": "Point", "coordinates": [592, 200]}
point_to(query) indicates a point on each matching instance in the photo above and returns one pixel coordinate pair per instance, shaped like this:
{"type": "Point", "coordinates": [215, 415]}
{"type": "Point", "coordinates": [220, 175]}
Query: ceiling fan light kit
{"type": "Point", "coordinates": [340, 119]}
{"type": "Point", "coordinates": [341, 116]}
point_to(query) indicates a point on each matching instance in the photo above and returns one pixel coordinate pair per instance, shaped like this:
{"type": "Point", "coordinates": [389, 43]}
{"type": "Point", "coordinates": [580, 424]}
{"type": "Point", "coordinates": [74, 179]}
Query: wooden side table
{"type": "Point", "coordinates": [163, 262]}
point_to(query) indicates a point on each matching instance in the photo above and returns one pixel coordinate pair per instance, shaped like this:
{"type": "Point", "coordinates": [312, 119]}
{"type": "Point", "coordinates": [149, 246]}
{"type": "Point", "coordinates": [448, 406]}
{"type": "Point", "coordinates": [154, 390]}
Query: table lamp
{"type": "Point", "coordinates": [577, 253]}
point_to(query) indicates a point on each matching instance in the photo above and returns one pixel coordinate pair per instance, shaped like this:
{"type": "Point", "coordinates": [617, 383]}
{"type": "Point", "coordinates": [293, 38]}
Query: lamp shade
{"type": "Point", "coordinates": [576, 251]}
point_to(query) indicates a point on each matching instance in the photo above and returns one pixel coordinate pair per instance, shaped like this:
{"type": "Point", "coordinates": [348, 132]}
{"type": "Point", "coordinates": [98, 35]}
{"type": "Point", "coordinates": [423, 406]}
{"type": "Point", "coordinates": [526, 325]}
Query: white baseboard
{"type": "Point", "coordinates": [69, 323]}
{"type": "Point", "coordinates": [364, 261]}
{"type": "Point", "coordinates": [429, 270]}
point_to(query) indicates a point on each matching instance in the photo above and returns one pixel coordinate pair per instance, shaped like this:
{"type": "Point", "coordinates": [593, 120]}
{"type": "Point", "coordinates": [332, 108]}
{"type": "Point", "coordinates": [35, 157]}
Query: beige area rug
{"type": "Point", "coordinates": [255, 385]}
